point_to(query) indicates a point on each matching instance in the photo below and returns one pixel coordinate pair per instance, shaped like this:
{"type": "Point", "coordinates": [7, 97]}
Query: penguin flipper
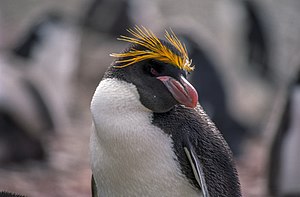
{"type": "Point", "coordinates": [196, 167]}
{"type": "Point", "coordinates": [94, 187]}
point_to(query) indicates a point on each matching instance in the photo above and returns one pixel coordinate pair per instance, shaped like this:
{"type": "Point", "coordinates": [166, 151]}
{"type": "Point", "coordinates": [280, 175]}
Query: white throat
{"type": "Point", "coordinates": [129, 155]}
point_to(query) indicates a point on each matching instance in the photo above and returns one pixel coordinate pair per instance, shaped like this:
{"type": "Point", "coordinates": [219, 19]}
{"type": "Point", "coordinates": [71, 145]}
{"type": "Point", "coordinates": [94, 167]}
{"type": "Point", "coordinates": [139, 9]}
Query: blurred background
{"type": "Point", "coordinates": [54, 53]}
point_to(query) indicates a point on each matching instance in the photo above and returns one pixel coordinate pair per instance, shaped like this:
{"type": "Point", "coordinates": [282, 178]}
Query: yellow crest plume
{"type": "Point", "coordinates": [155, 49]}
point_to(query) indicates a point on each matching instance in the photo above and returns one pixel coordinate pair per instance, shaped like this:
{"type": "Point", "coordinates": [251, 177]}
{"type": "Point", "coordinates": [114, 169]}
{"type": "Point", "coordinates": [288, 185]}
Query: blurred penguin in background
{"type": "Point", "coordinates": [96, 17]}
{"type": "Point", "coordinates": [26, 46]}
{"type": "Point", "coordinates": [24, 118]}
{"type": "Point", "coordinates": [33, 94]}
{"type": "Point", "coordinates": [284, 161]}
{"type": "Point", "coordinates": [208, 83]}
{"type": "Point", "coordinates": [256, 40]}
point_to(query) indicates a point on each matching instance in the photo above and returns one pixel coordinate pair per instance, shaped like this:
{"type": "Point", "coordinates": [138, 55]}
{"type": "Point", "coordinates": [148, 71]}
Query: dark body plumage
{"type": "Point", "coordinates": [193, 127]}
{"type": "Point", "coordinates": [214, 98]}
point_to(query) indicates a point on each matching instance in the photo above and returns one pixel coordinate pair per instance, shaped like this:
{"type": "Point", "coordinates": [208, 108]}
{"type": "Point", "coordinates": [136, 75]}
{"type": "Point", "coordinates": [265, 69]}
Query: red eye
{"type": "Point", "coordinates": [154, 72]}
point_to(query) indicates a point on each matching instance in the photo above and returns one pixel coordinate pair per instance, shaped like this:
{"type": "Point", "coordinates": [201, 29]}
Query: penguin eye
{"type": "Point", "coordinates": [154, 72]}
{"type": "Point", "coordinates": [153, 68]}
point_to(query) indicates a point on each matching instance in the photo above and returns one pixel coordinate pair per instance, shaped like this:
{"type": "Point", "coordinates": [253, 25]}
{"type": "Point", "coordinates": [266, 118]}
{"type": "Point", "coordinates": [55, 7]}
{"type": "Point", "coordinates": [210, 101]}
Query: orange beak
{"type": "Point", "coordinates": [181, 90]}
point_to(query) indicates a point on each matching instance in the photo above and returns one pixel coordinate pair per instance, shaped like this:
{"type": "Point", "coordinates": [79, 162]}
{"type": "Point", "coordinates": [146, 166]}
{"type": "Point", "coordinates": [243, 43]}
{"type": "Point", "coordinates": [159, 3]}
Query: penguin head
{"type": "Point", "coordinates": [157, 68]}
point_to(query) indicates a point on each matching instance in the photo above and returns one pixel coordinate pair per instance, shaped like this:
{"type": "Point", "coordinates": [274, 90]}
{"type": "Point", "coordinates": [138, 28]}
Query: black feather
{"type": "Point", "coordinates": [210, 147]}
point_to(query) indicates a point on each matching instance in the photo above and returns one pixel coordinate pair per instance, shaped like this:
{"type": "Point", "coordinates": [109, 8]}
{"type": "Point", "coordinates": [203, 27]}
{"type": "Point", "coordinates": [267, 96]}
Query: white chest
{"type": "Point", "coordinates": [130, 156]}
